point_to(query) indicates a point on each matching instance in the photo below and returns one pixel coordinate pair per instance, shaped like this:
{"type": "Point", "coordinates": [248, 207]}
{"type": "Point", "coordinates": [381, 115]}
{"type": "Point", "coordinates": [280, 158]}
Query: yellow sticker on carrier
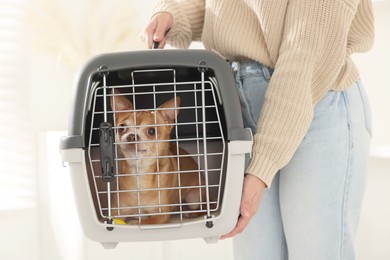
{"type": "Point", "coordinates": [118, 221]}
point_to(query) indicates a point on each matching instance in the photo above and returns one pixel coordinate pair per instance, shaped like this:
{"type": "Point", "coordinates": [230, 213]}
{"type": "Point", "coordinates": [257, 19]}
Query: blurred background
{"type": "Point", "coordinates": [42, 45]}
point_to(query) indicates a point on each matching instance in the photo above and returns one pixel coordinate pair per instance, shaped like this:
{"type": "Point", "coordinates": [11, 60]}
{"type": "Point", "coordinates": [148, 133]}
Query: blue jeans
{"type": "Point", "coordinates": [311, 211]}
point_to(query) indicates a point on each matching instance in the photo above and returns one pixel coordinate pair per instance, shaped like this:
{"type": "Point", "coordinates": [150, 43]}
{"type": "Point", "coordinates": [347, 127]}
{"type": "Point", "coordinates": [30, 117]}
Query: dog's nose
{"type": "Point", "coordinates": [132, 138]}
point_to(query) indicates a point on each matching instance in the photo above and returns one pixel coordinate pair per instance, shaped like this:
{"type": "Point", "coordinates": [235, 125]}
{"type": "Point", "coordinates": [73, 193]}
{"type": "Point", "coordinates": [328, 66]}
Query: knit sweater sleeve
{"type": "Point", "coordinates": [188, 17]}
{"type": "Point", "coordinates": [311, 57]}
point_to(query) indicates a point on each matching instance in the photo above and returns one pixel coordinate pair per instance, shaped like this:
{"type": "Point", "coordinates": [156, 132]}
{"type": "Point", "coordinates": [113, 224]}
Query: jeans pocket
{"type": "Point", "coordinates": [366, 106]}
{"type": "Point", "coordinates": [254, 89]}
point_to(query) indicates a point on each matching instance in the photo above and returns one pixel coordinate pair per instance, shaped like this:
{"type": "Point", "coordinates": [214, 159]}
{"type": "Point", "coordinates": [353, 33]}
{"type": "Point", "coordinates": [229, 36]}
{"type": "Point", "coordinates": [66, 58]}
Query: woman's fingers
{"type": "Point", "coordinates": [252, 192]}
{"type": "Point", "coordinates": [156, 30]}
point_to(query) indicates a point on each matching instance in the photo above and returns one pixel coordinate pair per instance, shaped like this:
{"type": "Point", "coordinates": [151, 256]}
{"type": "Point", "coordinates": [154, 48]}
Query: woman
{"type": "Point", "coordinates": [300, 93]}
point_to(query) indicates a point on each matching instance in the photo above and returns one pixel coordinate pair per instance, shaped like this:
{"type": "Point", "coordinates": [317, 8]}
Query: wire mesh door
{"type": "Point", "coordinates": [156, 147]}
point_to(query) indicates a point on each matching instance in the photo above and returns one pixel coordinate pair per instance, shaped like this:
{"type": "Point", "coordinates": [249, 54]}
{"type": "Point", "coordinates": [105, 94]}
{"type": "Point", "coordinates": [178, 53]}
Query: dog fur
{"type": "Point", "coordinates": [145, 149]}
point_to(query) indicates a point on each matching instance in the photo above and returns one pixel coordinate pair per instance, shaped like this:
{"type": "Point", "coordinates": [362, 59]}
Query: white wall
{"type": "Point", "coordinates": [19, 237]}
{"type": "Point", "coordinates": [51, 80]}
{"type": "Point", "coordinates": [374, 68]}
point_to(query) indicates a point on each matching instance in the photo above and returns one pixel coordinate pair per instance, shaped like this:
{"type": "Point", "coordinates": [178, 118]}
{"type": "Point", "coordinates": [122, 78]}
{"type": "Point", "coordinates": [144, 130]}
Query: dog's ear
{"type": "Point", "coordinates": [170, 109]}
{"type": "Point", "coordinates": [119, 103]}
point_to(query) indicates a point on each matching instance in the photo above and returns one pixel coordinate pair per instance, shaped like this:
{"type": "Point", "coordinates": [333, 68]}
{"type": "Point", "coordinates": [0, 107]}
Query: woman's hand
{"type": "Point", "coordinates": [155, 31]}
{"type": "Point", "coordinates": [251, 195]}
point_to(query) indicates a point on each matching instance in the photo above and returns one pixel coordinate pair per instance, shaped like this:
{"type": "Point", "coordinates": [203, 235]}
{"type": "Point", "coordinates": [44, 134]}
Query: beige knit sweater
{"type": "Point", "coordinates": [307, 42]}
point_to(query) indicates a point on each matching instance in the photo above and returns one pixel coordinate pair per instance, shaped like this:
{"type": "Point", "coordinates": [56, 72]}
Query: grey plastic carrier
{"type": "Point", "coordinates": [138, 179]}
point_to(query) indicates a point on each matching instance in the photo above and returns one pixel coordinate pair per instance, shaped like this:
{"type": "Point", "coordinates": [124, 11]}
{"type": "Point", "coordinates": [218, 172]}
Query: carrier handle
{"type": "Point", "coordinates": [155, 45]}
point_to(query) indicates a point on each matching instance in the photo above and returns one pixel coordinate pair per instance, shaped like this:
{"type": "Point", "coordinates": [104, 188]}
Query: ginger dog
{"type": "Point", "coordinates": [145, 151]}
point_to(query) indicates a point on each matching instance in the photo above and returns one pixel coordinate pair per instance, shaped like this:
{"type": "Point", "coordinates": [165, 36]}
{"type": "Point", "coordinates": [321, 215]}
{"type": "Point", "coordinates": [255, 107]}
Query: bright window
{"type": "Point", "coordinates": [17, 170]}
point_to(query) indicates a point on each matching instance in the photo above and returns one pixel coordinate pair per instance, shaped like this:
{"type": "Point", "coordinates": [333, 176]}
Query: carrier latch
{"type": "Point", "coordinates": [106, 138]}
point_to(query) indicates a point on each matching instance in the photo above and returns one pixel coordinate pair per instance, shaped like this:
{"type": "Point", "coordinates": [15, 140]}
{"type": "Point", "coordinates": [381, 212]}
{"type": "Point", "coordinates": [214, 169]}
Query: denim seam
{"type": "Point", "coordinates": [281, 243]}
{"type": "Point", "coordinates": [347, 178]}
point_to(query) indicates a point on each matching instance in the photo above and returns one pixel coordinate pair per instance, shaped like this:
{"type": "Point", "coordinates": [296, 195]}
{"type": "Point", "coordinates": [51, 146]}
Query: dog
{"type": "Point", "coordinates": [148, 165]}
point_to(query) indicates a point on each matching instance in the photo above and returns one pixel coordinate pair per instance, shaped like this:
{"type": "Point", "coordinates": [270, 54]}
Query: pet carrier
{"type": "Point", "coordinates": [156, 146]}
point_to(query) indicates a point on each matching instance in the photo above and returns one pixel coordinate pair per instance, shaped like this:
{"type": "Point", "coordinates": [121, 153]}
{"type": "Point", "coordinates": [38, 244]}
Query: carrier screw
{"type": "Point", "coordinates": [202, 66]}
{"type": "Point", "coordinates": [209, 224]}
{"type": "Point", "coordinates": [105, 72]}
{"type": "Point", "coordinates": [109, 221]}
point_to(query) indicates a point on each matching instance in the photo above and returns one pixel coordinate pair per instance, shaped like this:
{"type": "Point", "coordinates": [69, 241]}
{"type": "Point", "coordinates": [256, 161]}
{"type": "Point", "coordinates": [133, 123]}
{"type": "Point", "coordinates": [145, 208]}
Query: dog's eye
{"type": "Point", "coordinates": [121, 128]}
{"type": "Point", "coordinates": [151, 131]}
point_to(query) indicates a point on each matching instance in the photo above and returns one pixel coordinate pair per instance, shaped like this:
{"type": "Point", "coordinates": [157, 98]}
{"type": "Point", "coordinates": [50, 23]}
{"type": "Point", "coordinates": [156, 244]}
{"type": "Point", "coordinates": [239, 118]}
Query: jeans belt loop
{"type": "Point", "coordinates": [235, 66]}
{"type": "Point", "coordinates": [266, 72]}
